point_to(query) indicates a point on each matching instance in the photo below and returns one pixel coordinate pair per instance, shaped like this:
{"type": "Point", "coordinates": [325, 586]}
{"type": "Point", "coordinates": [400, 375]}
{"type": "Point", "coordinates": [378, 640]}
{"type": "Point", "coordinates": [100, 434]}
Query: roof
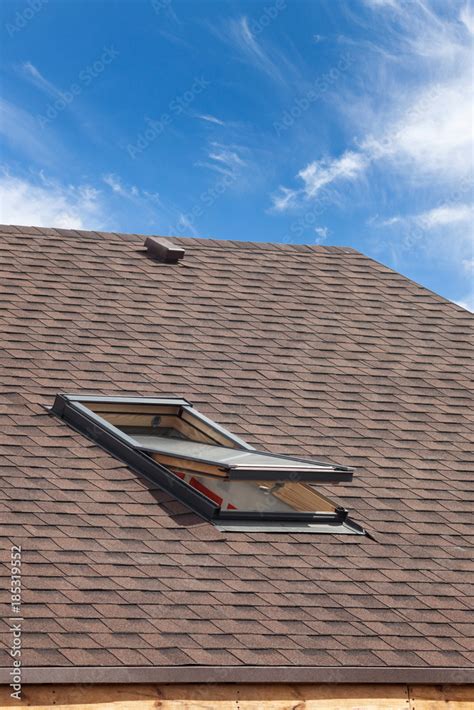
{"type": "Point", "coordinates": [310, 350]}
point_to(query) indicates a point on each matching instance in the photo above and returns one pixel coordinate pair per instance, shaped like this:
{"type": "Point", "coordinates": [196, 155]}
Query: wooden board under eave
{"type": "Point", "coordinates": [241, 697]}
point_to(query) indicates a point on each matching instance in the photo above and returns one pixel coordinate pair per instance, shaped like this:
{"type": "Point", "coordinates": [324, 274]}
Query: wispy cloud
{"type": "Point", "coordinates": [37, 199]}
{"type": "Point", "coordinates": [130, 192]}
{"type": "Point", "coordinates": [326, 171]}
{"type": "Point", "coordinates": [432, 143]}
{"type": "Point", "coordinates": [185, 226]}
{"type": "Point", "coordinates": [433, 139]}
{"type": "Point", "coordinates": [224, 159]}
{"type": "Point", "coordinates": [210, 119]}
{"type": "Point", "coordinates": [115, 184]}
{"type": "Point", "coordinates": [285, 199]}
{"type": "Point", "coordinates": [322, 234]}
{"type": "Point", "coordinates": [468, 266]}
{"type": "Point", "coordinates": [21, 132]}
{"type": "Point", "coordinates": [248, 44]}
{"type": "Point", "coordinates": [447, 214]}
{"type": "Point", "coordinates": [35, 77]}
{"type": "Point", "coordinates": [45, 203]}
{"type": "Point", "coordinates": [255, 51]}
{"type": "Point", "coordinates": [225, 155]}
{"type": "Point", "coordinates": [466, 16]}
{"type": "Point", "coordinates": [376, 4]}
{"type": "Point", "coordinates": [318, 175]}
{"type": "Point", "coordinates": [377, 221]}
{"type": "Point", "coordinates": [421, 131]}
{"type": "Point", "coordinates": [461, 214]}
{"type": "Point", "coordinates": [444, 234]}
{"type": "Point", "coordinates": [467, 302]}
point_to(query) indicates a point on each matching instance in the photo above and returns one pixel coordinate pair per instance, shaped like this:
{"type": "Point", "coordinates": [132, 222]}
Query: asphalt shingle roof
{"type": "Point", "coordinates": [307, 350]}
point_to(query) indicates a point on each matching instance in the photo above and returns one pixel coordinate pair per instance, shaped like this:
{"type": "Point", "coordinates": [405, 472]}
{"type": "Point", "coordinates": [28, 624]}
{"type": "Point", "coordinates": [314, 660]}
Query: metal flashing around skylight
{"type": "Point", "coordinates": [346, 528]}
{"type": "Point", "coordinates": [265, 497]}
{"type": "Point", "coordinates": [179, 401]}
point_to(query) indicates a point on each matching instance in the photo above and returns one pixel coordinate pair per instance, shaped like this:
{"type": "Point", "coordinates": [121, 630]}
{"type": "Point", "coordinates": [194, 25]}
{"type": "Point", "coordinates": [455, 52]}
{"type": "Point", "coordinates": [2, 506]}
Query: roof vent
{"type": "Point", "coordinates": [163, 250]}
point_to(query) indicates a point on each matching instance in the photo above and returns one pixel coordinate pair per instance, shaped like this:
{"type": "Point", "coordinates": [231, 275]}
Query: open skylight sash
{"type": "Point", "coordinates": [243, 465]}
{"type": "Point", "coordinates": [233, 500]}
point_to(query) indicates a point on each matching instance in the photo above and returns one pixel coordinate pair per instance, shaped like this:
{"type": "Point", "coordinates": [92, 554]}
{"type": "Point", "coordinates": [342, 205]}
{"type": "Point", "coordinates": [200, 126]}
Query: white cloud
{"type": "Point", "coordinates": [466, 16]}
{"type": "Point", "coordinates": [433, 137]}
{"type": "Point", "coordinates": [467, 302]}
{"type": "Point", "coordinates": [21, 131]}
{"type": "Point", "coordinates": [132, 192]}
{"type": "Point", "coordinates": [224, 159]}
{"type": "Point", "coordinates": [284, 199]}
{"type": "Point", "coordinates": [376, 4]}
{"type": "Point", "coordinates": [244, 37]}
{"type": "Point", "coordinates": [246, 42]}
{"type": "Point", "coordinates": [431, 143]}
{"type": "Point", "coordinates": [184, 227]}
{"type": "Point", "coordinates": [389, 222]}
{"type": "Point", "coordinates": [323, 172]}
{"type": "Point", "coordinates": [322, 231]}
{"type": "Point", "coordinates": [37, 200]}
{"type": "Point", "coordinates": [421, 130]}
{"type": "Point", "coordinates": [210, 119]}
{"type": "Point", "coordinates": [441, 235]}
{"type": "Point", "coordinates": [223, 154]}
{"type": "Point", "coordinates": [48, 204]}
{"type": "Point", "coordinates": [321, 234]}
{"type": "Point", "coordinates": [33, 75]}
{"type": "Point", "coordinates": [318, 175]}
{"type": "Point", "coordinates": [468, 266]}
{"type": "Point", "coordinates": [115, 184]}
{"type": "Point", "coordinates": [445, 215]}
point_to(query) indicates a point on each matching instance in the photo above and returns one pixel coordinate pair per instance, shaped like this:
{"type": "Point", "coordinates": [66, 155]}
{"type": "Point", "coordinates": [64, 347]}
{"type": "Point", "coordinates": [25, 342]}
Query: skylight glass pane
{"type": "Point", "coordinates": [233, 458]}
{"type": "Point", "coordinates": [163, 420]}
{"type": "Point", "coordinates": [218, 454]}
{"type": "Point", "coordinates": [257, 496]}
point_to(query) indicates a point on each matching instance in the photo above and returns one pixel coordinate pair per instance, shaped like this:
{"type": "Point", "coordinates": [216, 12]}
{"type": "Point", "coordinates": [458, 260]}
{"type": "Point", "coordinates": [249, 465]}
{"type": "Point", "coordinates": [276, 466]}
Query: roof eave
{"type": "Point", "coordinates": [241, 674]}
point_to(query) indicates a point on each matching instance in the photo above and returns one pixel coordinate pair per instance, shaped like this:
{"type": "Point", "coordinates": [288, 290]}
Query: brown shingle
{"type": "Point", "coordinates": [316, 350]}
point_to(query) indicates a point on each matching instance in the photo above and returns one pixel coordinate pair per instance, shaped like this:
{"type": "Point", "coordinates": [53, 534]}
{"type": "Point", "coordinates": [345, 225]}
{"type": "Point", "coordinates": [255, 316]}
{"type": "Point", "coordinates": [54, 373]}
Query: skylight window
{"type": "Point", "coordinates": [214, 472]}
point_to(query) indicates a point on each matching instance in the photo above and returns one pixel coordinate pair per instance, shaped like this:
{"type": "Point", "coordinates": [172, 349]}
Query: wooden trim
{"type": "Point", "coordinates": [142, 415]}
{"type": "Point", "coordinates": [197, 467]}
{"type": "Point", "coordinates": [128, 419]}
{"type": "Point", "coordinates": [171, 421]}
{"type": "Point", "coordinates": [303, 498]}
{"type": "Point", "coordinates": [242, 696]}
{"type": "Point", "coordinates": [213, 434]}
{"type": "Point", "coordinates": [103, 408]}
{"type": "Point", "coordinates": [434, 697]}
{"type": "Point", "coordinates": [189, 429]}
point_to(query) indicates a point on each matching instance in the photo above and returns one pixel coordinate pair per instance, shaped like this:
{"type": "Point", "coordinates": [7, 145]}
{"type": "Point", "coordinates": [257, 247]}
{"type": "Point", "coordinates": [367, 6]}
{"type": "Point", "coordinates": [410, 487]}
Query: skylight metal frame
{"type": "Point", "coordinates": [327, 473]}
{"type": "Point", "coordinates": [73, 410]}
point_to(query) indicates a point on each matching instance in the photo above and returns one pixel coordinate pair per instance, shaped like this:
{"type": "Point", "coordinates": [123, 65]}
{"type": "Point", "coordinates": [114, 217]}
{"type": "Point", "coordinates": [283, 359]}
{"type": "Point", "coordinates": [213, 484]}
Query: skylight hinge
{"type": "Point", "coordinates": [341, 513]}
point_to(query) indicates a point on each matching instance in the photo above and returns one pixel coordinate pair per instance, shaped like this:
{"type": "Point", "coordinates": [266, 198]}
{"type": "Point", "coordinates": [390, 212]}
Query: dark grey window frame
{"type": "Point", "coordinates": [70, 408]}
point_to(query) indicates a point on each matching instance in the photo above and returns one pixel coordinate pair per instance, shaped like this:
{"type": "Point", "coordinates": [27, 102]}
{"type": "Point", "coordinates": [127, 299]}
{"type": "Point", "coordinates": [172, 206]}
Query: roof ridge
{"type": "Point", "coordinates": [196, 242]}
{"type": "Point", "coordinates": [210, 244]}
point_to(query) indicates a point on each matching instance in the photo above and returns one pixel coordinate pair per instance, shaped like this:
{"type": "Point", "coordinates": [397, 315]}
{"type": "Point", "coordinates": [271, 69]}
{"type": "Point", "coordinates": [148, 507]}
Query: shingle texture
{"type": "Point", "coordinates": [310, 350]}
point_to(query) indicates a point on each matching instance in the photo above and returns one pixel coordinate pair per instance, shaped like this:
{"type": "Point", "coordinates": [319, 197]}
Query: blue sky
{"type": "Point", "coordinates": [320, 121]}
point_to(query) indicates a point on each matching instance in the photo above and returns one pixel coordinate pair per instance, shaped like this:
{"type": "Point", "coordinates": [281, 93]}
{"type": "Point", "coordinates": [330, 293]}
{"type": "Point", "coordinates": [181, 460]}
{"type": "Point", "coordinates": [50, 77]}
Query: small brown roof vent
{"type": "Point", "coordinates": [163, 250]}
